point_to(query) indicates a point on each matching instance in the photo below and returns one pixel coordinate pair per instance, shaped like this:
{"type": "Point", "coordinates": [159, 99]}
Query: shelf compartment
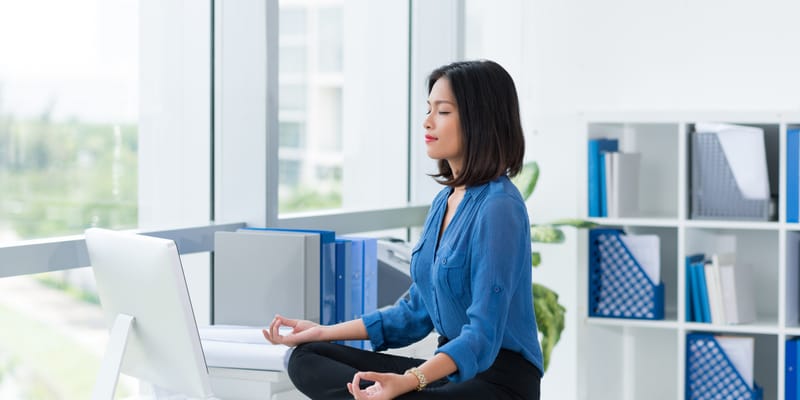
{"type": "Point", "coordinates": [765, 362]}
{"type": "Point", "coordinates": [658, 145]}
{"type": "Point", "coordinates": [757, 248]}
{"type": "Point", "coordinates": [632, 362]}
{"type": "Point", "coordinates": [792, 283]}
{"type": "Point", "coordinates": [715, 203]}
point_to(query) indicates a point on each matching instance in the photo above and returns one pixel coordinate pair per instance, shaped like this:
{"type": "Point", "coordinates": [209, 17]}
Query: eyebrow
{"type": "Point", "coordinates": [441, 101]}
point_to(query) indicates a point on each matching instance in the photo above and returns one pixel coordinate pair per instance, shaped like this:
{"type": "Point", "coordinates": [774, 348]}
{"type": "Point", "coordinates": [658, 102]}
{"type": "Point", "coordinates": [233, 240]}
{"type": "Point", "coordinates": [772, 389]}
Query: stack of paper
{"type": "Point", "coordinates": [740, 350]}
{"type": "Point", "coordinates": [646, 249]}
{"type": "Point", "coordinates": [241, 347]}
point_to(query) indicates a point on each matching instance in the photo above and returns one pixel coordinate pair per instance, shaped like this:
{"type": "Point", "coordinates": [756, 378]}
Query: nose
{"type": "Point", "coordinates": [426, 123]}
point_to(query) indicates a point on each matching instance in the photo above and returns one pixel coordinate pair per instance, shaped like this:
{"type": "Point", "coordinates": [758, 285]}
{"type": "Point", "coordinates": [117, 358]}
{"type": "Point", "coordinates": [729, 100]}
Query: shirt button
{"type": "Point", "coordinates": [444, 261]}
{"type": "Point", "coordinates": [497, 289]}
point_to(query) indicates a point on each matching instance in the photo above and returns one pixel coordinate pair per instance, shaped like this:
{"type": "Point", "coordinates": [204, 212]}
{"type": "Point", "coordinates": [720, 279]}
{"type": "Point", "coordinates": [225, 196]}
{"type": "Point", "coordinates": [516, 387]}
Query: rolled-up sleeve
{"type": "Point", "coordinates": [498, 253]}
{"type": "Point", "coordinates": [402, 324]}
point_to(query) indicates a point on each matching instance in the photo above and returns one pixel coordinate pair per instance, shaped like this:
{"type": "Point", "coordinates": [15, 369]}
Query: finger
{"type": "Point", "coordinates": [287, 321]}
{"type": "Point", "coordinates": [356, 383]}
{"type": "Point", "coordinates": [266, 335]}
{"type": "Point", "coordinates": [371, 376]}
{"type": "Point", "coordinates": [352, 390]}
{"type": "Point", "coordinates": [273, 331]}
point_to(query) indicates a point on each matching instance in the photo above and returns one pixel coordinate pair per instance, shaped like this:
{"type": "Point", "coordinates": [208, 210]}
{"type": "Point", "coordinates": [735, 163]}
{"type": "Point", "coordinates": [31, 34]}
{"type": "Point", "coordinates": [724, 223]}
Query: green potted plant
{"type": "Point", "coordinates": [549, 312]}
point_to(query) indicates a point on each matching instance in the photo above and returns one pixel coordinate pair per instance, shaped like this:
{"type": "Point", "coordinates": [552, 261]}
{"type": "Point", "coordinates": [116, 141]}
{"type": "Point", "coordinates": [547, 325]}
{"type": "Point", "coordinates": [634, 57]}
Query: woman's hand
{"type": "Point", "coordinates": [302, 331]}
{"type": "Point", "coordinates": [387, 386]}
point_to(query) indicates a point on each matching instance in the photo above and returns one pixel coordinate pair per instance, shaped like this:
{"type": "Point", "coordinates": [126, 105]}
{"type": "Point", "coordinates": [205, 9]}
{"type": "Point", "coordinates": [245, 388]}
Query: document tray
{"type": "Point", "coordinates": [710, 374]}
{"type": "Point", "coordinates": [618, 285]}
{"type": "Point", "coordinates": [715, 194]}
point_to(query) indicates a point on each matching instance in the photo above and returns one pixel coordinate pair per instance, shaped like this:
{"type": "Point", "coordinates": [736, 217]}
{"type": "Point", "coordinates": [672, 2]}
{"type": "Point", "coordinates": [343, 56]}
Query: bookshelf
{"type": "Point", "coordinates": [636, 359]}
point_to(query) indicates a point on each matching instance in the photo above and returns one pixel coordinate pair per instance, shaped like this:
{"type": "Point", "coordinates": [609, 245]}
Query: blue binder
{"type": "Point", "coordinates": [710, 373]}
{"type": "Point", "coordinates": [594, 177]}
{"type": "Point", "coordinates": [791, 373]}
{"type": "Point", "coordinates": [344, 249]}
{"type": "Point", "coordinates": [360, 282]}
{"type": "Point", "coordinates": [603, 188]}
{"type": "Point", "coordinates": [354, 282]}
{"type": "Point", "coordinates": [370, 274]}
{"type": "Point", "coordinates": [792, 174]}
{"type": "Point", "coordinates": [327, 268]}
{"type": "Point", "coordinates": [702, 291]}
{"type": "Point", "coordinates": [692, 302]}
{"type": "Point", "coordinates": [618, 285]}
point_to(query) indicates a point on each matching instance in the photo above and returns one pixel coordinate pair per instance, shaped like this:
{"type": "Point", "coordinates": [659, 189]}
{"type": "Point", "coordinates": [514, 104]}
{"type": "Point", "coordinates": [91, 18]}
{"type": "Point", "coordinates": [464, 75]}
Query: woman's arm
{"type": "Point", "coordinates": [306, 331]}
{"type": "Point", "coordinates": [437, 367]}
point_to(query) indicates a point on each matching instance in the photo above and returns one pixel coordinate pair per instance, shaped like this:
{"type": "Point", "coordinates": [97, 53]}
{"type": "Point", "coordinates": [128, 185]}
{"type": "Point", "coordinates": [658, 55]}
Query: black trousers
{"type": "Point", "coordinates": [322, 370]}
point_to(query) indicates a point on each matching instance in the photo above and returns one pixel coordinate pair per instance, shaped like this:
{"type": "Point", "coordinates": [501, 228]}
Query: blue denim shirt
{"type": "Point", "coordinates": [473, 285]}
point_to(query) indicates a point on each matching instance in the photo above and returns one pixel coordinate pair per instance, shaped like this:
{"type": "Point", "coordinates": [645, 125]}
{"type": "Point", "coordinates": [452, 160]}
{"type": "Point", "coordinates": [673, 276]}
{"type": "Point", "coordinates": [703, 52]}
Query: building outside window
{"type": "Point", "coordinates": [343, 75]}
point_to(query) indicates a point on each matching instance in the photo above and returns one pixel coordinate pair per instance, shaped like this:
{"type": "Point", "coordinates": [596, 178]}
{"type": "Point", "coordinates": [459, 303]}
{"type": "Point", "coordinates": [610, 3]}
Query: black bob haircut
{"type": "Point", "coordinates": [491, 131]}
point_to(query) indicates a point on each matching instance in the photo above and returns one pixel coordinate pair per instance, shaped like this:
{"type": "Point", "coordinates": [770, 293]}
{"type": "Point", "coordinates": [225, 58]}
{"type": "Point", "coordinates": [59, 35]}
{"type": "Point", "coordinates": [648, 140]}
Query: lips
{"type": "Point", "coordinates": [429, 138]}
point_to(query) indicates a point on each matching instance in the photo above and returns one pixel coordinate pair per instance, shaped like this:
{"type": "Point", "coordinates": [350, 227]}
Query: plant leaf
{"type": "Point", "coordinates": [546, 234]}
{"type": "Point", "coordinates": [536, 258]}
{"type": "Point", "coordinates": [526, 180]}
{"type": "Point", "coordinates": [573, 222]}
{"type": "Point", "coordinates": [549, 318]}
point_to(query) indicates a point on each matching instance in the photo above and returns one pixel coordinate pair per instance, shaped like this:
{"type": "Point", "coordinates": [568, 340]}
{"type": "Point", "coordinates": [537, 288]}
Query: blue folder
{"type": "Point", "coordinates": [792, 174]}
{"type": "Point", "coordinates": [594, 177]}
{"type": "Point", "coordinates": [792, 375]}
{"type": "Point", "coordinates": [692, 303]}
{"type": "Point", "coordinates": [361, 281]}
{"type": "Point", "coordinates": [697, 301]}
{"type": "Point", "coordinates": [702, 291]}
{"type": "Point", "coordinates": [603, 188]}
{"type": "Point", "coordinates": [343, 255]}
{"type": "Point", "coordinates": [618, 285]}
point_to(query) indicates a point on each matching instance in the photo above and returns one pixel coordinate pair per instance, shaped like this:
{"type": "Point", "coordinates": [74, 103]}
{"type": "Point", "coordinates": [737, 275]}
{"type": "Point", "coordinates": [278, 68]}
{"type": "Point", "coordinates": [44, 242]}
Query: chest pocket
{"type": "Point", "coordinates": [415, 258]}
{"type": "Point", "coordinates": [453, 271]}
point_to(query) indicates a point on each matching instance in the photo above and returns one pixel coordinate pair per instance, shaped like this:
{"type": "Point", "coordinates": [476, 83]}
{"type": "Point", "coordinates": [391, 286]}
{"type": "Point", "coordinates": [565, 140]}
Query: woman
{"type": "Point", "coordinates": [471, 269]}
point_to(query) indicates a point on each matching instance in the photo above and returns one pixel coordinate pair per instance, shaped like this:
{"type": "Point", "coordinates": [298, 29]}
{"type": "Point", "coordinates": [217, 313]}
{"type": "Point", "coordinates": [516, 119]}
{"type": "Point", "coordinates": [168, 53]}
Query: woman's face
{"type": "Point", "coordinates": [443, 125]}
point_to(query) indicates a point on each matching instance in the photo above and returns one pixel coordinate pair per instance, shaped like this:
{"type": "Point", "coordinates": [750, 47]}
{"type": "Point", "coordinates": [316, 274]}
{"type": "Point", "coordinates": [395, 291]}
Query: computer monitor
{"type": "Point", "coordinates": [142, 277]}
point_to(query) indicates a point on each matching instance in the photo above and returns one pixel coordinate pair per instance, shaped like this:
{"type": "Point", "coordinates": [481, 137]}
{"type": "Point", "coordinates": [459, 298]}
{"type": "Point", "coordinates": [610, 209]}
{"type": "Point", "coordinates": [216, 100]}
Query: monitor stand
{"type": "Point", "coordinates": [108, 376]}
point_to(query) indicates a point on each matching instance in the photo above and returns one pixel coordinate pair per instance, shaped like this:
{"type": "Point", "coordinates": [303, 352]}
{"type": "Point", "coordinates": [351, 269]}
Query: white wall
{"type": "Point", "coordinates": [626, 55]}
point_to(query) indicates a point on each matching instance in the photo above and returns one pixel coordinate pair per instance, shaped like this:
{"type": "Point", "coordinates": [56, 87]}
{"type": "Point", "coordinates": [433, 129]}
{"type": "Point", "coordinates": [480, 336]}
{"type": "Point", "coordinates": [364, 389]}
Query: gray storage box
{"type": "Point", "coordinates": [715, 194]}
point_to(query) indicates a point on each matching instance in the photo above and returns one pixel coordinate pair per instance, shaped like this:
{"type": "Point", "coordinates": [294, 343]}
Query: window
{"type": "Point", "coordinates": [292, 134]}
{"type": "Point", "coordinates": [79, 131]}
{"type": "Point", "coordinates": [69, 111]}
{"type": "Point", "coordinates": [342, 142]}
{"type": "Point", "coordinates": [68, 117]}
{"type": "Point", "coordinates": [343, 75]}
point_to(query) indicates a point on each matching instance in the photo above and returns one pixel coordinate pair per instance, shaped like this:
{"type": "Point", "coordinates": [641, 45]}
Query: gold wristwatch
{"type": "Point", "coordinates": [421, 382]}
